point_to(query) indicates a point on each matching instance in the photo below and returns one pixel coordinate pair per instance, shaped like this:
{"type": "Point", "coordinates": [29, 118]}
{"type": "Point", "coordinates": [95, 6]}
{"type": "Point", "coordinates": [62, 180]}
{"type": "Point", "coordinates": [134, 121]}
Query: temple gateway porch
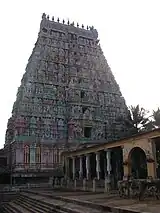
{"type": "Point", "coordinates": [100, 165]}
{"type": "Point", "coordinates": [111, 162]}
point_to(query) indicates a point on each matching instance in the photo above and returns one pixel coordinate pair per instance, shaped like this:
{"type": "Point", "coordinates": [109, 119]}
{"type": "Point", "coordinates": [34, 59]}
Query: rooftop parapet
{"type": "Point", "coordinates": [67, 26]}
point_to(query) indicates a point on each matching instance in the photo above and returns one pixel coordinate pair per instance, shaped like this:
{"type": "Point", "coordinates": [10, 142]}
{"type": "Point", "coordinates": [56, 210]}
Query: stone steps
{"type": "Point", "coordinates": [13, 208]}
{"type": "Point", "coordinates": [27, 205]}
{"type": "Point", "coordinates": [43, 203]}
{"type": "Point", "coordinates": [87, 204]}
{"type": "Point", "coordinates": [54, 204]}
{"type": "Point", "coordinates": [6, 208]}
{"type": "Point", "coordinates": [33, 205]}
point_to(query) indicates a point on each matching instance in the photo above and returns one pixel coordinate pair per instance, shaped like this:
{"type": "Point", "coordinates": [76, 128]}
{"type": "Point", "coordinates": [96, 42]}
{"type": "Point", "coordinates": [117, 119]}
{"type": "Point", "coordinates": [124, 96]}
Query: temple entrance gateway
{"type": "Point", "coordinates": [138, 163]}
{"type": "Point", "coordinates": [69, 105]}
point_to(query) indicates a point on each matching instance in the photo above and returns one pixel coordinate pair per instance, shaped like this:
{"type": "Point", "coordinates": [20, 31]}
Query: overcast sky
{"type": "Point", "coordinates": [129, 32]}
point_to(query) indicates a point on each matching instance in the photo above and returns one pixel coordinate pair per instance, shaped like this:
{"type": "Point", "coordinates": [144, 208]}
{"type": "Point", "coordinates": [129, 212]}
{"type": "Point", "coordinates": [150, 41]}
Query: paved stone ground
{"type": "Point", "coordinates": [143, 206]}
{"type": "Point", "coordinates": [147, 206]}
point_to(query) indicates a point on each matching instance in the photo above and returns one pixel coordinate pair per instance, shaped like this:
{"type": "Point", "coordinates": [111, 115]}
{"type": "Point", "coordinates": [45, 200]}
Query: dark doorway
{"type": "Point", "coordinates": [87, 132]}
{"type": "Point", "coordinates": [117, 165]}
{"type": "Point", "coordinates": [84, 166]}
{"type": "Point", "coordinates": [138, 163]}
{"type": "Point", "coordinates": [103, 164]}
{"type": "Point", "coordinates": [93, 165]}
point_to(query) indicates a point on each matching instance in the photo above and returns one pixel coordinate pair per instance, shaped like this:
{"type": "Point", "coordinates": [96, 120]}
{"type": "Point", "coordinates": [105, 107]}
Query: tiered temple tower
{"type": "Point", "coordinates": [68, 96]}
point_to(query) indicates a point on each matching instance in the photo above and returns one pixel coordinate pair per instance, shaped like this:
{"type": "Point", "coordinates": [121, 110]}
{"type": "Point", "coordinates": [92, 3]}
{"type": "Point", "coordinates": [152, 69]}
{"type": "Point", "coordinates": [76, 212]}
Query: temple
{"type": "Point", "coordinates": [68, 98]}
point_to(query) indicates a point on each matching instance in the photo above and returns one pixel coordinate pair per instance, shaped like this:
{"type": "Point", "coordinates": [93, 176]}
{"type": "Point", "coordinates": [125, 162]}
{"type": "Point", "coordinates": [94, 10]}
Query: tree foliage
{"type": "Point", "coordinates": [140, 120]}
{"type": "Point", "coordinates": [156, 118]}
{"type": "Point", "coordinates": [139, 117]}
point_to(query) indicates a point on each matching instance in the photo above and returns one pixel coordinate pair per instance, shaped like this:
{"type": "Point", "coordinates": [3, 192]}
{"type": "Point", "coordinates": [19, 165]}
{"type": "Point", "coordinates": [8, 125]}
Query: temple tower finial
{"type": "Point", "coordinates": [43, 16]}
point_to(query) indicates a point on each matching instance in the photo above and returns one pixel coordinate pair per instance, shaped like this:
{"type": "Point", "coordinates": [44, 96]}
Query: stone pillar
{"type": "Point", "coordinates": [81, 167]}
{"type": "Point", "coordinates": [98, 169]}
{"type": "Point", "coordinates": [88, 167]}
{"type": "Point", "coordinates": [66, 165]}
{"type": "Point", "coordinates": [126, 162]}
{"type": "Point", "coordinates": [108, 177]}
{"type": "Point", "coordinates": [152, 163]}
{"type": "Point", "coordinates": [126, 169]}
{"type": "Point", "coordinates": [151, 169]}
{"type": "Point", "coordinates": [73, 167]}
{"type": "Point", "coordinates": [108, 156]}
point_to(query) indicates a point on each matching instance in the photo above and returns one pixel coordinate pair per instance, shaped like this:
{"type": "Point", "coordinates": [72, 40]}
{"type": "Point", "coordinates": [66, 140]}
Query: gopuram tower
{"type": "Point", "coordinates": [68, 96]}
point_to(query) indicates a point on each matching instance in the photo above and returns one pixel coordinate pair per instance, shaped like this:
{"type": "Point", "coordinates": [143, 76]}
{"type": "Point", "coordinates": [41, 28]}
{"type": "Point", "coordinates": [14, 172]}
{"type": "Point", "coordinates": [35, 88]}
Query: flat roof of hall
{"type": "Point", "coordinates": [149, 134]}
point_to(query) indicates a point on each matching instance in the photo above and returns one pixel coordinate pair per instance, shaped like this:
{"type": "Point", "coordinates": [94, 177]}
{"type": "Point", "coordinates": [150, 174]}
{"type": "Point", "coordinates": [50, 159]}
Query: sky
{"type": "Point", "coordinates": [129, 33]}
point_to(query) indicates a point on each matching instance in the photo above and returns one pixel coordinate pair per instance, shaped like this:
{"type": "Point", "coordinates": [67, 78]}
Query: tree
{"type": "Point", "coordinates": [140, 118]}
{"type": "Point", "coordinates": [156, 118]}
{"type": "Point", "coordinates": [137, 120]}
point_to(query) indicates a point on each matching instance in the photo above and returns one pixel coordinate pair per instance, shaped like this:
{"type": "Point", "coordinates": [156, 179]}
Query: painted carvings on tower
{"type": "Point", "coordinates": [68, 91]}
